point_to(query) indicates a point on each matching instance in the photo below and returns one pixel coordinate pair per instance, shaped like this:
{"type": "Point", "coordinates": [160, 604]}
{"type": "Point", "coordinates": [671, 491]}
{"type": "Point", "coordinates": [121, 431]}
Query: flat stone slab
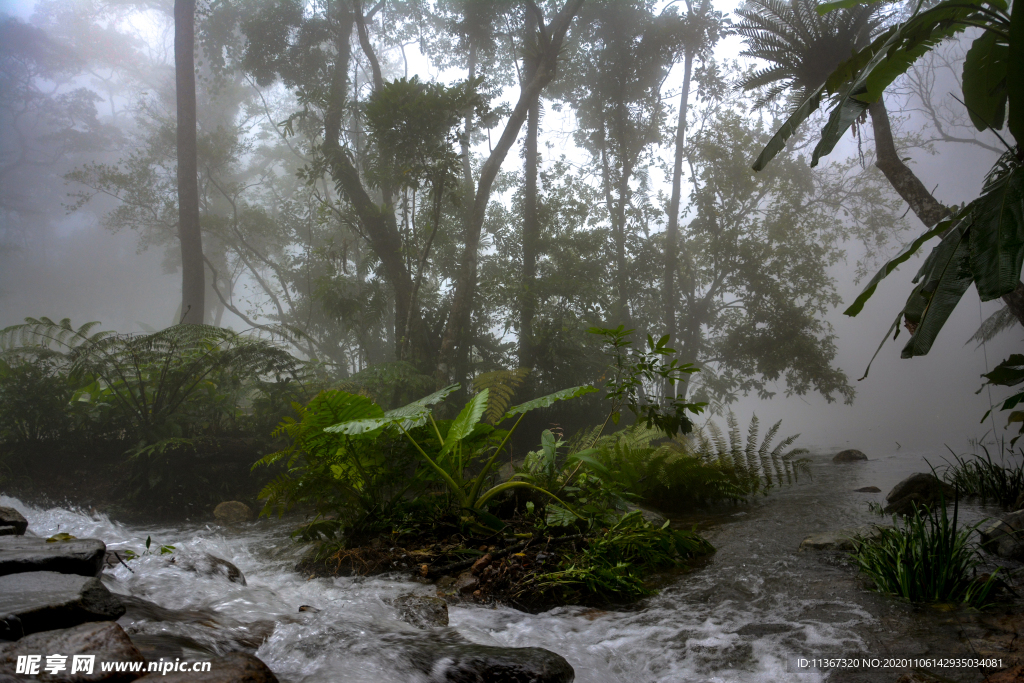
{"type": "Point", "coordinates": [12, 523]}
{"type": "Point", "coordinates": [43, 601]}
{"type": "Point", "coordinates": [82, 556]}
{"type": "Point", "coordinates": [105, 640]}
{"type": "Point", "coordinates": [842, 539]}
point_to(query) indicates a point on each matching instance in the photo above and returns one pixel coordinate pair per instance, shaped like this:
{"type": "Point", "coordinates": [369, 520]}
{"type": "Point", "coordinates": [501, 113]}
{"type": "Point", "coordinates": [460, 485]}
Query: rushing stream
{"type": "Point", "coordinates": [742, 616]}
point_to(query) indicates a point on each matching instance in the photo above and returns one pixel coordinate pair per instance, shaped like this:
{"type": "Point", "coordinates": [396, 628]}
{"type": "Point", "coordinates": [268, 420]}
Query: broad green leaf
{"type": "Point", "coordinates": [591, 462]}
{"type": "Point", "coordinates": [778, 141]}
{"type": "Point", "coordinates": [545, 401]}
{"type": "Point", "coordinates": [943, 285]}
{"type": "Point", "coordinates": [984, 80]}
{"type": "Point", "coordinates": [558, 516]}
{"type": "Point", "coordinates": [890, 265]}
{"type": "Point", "coordinates": [466, 420]}
{"type": "Point", "coordinates": [361, 427]}
{"type": "Point", "coordinates": [1008, 373]}
{"type": "Point", "coordinates": [1015, 76]}
{"type": "Point", "coordinates": [997, 235]}
{"type": "Point", "coordinates": [416, 413]}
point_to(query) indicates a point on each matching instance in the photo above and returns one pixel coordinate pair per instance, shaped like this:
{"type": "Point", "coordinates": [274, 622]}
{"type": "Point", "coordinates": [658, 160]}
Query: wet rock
{"type": "Point", "coordinates": [466, 583]}
{"type": "Point", "coordinates": [920, 489]}
{"type": "Point", "coordinates": [868, 489]}
{"type": "Point", "coordinates": [140, 609]}
{"type": "Point", "coordinates": [480, 564]}
{"type": "Point", "coordinates": [1014, 675]}
{"type": "Point", "coordinates": [237, 667]}
{"type": "Point", "coordinates": [845, 539]}
{"type": "Point", "coordinates": [469, 663]}
{"type": "Point", "coordinates": [849, 455]}
{"type": "Point", "coordinates": [308, 608]}
{"type": "Point", "coordinates": [1005, 536]}
{"type": "Point", "coordinates": [44, 601]}
{"type": "Point", "coordinates": [207, 565]}
{"type": "Point", "coordinates": [12, 523]}
{"type": "Point", "coordinates": [233, 512]}
{"type": "Point", "coordinates": [106, 641]}
{"type": "Point", "coordinates": [917, 677]}
{"type": "Point", "coordinates": [82, 556]}
{"type": "Point", "coordinates": [655, 518]}
{"type": "Point", "coordinates": [422, 611]}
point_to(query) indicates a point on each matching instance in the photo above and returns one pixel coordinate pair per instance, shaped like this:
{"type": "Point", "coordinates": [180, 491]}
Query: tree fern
{"type": "Point", "coordinates": [502, 385]}
{"type": "Point", "coordinates": [757, 468]}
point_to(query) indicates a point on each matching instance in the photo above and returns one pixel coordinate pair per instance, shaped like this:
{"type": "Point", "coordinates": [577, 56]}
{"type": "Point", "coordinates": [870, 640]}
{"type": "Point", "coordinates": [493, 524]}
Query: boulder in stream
{"type": "Point", "coordinates": [82, 556]}
{"type": "Point", "coordinates": [849, 455]}
{"type": "Point", "coordinates": [471, 663]}
{"type": "Point", "coordinates": [104, 640]}
{"type": "Point", "coordinates": [423, 611]}
{"type": "Point", "coordinates": [44, 601]}
{"type": "Point", "coordinates": [233, 512]}
{"type": "Point", "coordinates": [1005, 536]}
{"type": "Point", "coordinates": [922, 489]}
{"type": "Point", "coordinates": [842, 539]}
{"type": "Point", "coordinates": [12, 523]}
{"type": "Point", "coordinates": [206, 564]}
{"type": "Point", "coordinates": [236, 667]}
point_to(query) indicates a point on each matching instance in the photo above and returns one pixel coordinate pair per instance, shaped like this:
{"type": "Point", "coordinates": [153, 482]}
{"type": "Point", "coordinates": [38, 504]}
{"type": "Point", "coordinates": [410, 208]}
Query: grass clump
{"type": "Point", "coordinates": [926, 558]}
{"type": "Point", "coordinates": [979, 476]}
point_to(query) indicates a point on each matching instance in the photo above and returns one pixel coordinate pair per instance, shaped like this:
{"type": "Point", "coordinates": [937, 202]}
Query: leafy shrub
{"type": "Point", "coordinates": [926, 558]}
{"type": "Point", "coordinates": [615, 564]}
{"type": "Point", "coordinates": [999, 482]}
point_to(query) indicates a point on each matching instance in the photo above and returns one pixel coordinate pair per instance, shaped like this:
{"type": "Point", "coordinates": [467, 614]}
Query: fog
{"type": "Point", "coordinates": [58, 264]}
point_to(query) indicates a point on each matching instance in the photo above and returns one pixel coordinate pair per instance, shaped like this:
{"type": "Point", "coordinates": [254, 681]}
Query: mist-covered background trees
{"type": "Point", "coordinates": [460, 187]}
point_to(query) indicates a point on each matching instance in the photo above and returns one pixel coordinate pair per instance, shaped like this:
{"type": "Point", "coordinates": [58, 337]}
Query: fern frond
{"type": "Point", "coordinates": [502, 385]}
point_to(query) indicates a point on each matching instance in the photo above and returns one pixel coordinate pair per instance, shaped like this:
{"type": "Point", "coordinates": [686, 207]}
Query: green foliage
{"type": "Point", "coordinates": [347, 481]}
{"type": "Point", "coordinates": [1009, 373]}
{"type": "Point", "coordinates": [634, 372]}
{"type": "Point", "coordinates": [1000, 482]}
{"type": "Point", "coordinates": [463, 448]}
{"type": "Point", "coordinates": [756, 468]}
{"type": "Point", "coordinates": [502, 385]}
{"type": "Point", "coordinates": [926, 558]}
{"type": "Point", "coordinates": [615, 564]}
{"type": "Point", "coordinates": [982, 243]}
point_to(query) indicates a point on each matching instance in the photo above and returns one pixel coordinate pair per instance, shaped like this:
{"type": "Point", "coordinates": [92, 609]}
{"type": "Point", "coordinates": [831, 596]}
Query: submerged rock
{"type": "Point", "coordinates": [849, 455]}
{"type": "Point", "coordinates": [868, 489]}
{"type": "Point", "coordinates": [44, 601]}
{"type": "Point", "coordinates": [842, 539]}
{"type": "Point", "coordinates": [236, 667]}
{"type": "Point", "coordinates": [12, 523]}
{"type": "Point", "coordinates": [233, 512]}
{"type": "Point", "coordinates": [1005, 536]}
{"type": "Point", "coordinates": [470, 663]}
{"type": "Point", "coordinates": [104, 640]}
{"type": "Point", "coordinates": [208, 565]}
{"type": "Point", "coordinates": [422, 611]}
{"type": "Point", "coordinates": [82, 556]}
{"type": "Point", "coordinates": [922, 489]}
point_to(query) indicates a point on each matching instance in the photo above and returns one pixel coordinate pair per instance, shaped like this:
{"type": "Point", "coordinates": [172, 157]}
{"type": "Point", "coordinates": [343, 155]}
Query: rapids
{"type": "Point", "coordinates": [742, 616]}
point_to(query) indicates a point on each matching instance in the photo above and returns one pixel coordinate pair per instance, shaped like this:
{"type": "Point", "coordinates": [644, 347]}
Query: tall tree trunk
{"type": "Point", "coordinates": [454, 353]}
{"type": "Point", "coordinates": [531, 225]}
{"type": "Point", "coordinates": [193, 275]}
{"type": "Point", "coordinates": [913, 191]}
{"type": "Point", "coordinates": [672, 231]}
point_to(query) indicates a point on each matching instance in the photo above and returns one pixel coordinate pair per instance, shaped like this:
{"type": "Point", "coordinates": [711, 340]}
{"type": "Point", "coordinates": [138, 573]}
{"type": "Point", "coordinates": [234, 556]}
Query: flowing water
{"type": "Point", "coordinates": [743, 616]}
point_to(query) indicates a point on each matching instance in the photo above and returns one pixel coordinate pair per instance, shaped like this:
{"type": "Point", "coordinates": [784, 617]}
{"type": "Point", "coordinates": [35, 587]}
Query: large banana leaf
{"type": "Point", "coordinates": [984, 81]}
{"type": "Point", "coordinates": [891, 54]}
{"type": "Point", "coordinates": [997, 233]}
{"type": "Point", "coordinates": [890, 265]}
{"type": "Point", "coordinates": [545, 401]}
{"type": "Point", "coordinates": [944, 278]}
{"type": "Point", "coordinates": [778, 141]}
{"type": "Point", "coordinates": [1015, 76]}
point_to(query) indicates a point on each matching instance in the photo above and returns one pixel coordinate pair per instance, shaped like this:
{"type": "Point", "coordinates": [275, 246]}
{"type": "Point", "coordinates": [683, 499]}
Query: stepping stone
{"type": "Point", "coordinates": [105, 640]}
{"type": "Point", "coordinates": [43, 601]}
{"type": "Point", "coordinates": [83, 556]}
